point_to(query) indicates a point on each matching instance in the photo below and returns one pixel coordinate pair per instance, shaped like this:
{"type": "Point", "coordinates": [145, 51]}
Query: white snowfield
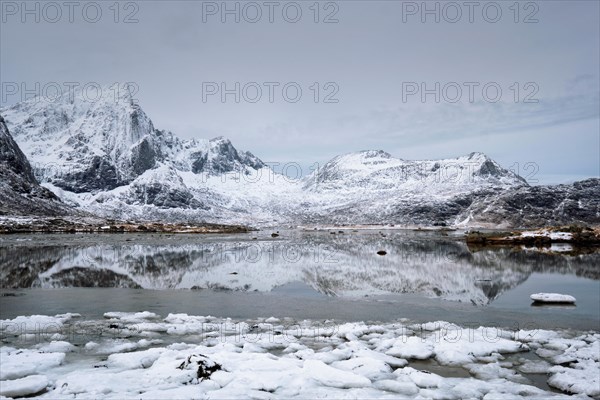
{"type": "Point", "coordinates": [552, 298]}
{"type": "Point", "coordinates": [144, 356]}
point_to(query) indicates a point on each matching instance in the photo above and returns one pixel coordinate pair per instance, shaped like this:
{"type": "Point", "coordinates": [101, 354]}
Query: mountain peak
{"type": "Point", "coordinates": [478, 155]}
{"type": "Point", "coordinates": [219, 139]}
{"type": "Point", "coordinates": [374, 154]}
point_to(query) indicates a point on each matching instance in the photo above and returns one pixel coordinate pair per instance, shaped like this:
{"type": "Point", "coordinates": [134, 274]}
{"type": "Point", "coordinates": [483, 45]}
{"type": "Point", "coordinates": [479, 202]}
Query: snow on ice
{"type": "Point", "coordinates": [145, 356]}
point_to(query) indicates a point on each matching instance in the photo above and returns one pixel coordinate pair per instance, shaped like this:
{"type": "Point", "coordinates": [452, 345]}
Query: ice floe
{"type": "Point", "coordinates": [183, 356]}
{"type": "Point", "coordinates": [552, 298]}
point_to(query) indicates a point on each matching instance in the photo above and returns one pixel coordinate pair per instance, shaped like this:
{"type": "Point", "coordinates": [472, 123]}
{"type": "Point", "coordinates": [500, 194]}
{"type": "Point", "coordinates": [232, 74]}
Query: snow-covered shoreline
{"type": "Point", "coordinates": [143, 355]}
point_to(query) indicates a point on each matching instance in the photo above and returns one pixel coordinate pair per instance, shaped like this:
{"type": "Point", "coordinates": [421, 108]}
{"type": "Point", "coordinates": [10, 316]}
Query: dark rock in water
{"type": "Point", "coordinates": [382, 252]}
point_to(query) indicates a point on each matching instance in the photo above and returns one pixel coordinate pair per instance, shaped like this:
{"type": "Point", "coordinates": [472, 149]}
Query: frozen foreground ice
{"type": "Point", "coordinates": [145, 356]}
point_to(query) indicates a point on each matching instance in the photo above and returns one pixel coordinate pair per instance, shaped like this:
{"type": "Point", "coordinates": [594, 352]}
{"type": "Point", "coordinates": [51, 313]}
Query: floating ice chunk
{"type": "Point", "coordinates": [35, 324]}
{"type": "Point", "coordinates": [56, 347]}
{"type": "Point", "coordinates": [534, 367]}
{"type": "Point", "coordinates": [366, 366]}
{"type": "Point", "coordinates": [390, 360]}
{"type": "Point", "coordinates": [253, 348]}
{"type": "Point", "coordinates": [182, 318]}
{"type": "Point", "coordinates": [131, 317]}
{"type": "Point", "coordinates": [423, 379]}
{"type": "Point", "coordinates": [411, 347]}
{"type": "Point", "coordinates": [329, 376]}
{"type": "Point", "coordinates": [464, 346]}
{"type": "Point", "coordinates": [19, 363]}
{"type": "Point", "coordinates": [27, 386]}
{"type": "Point", "coordinates": [405, 388]}
{"type": "Point", "coordinates": [552, 298]}
{"type": "Point", "coordinates": [562, 350]}
{"type": "Point", "coordinates": [536, 335]}
{"type": "Point", "coordinates": [582, 379]}
{"type": "Point", "coordinates": [134, 360]}
{"type": "Point", "coordinates": [495, 371]}
{"type": "Point", "coordinates": [111, 346]}
{"type": "Point", "coordinates": [327, 357]}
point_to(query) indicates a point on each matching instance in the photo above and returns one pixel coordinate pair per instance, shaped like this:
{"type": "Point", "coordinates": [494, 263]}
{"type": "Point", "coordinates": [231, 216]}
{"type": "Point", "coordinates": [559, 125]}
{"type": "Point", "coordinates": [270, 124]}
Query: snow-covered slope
{"type": "Point", "coordinates": [105, 156]}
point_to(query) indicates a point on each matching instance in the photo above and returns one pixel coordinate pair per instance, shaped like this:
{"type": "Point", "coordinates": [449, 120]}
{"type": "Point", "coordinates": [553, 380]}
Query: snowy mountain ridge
{"type": "Point", "coordinates": [376, 169]}
{"type": "Point", "coordinates": [106, 157]}
{"type": "Point", "coordinates": [90, 146]}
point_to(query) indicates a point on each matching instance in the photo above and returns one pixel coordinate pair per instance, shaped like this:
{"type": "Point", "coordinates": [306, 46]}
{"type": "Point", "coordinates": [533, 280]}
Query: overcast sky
{"type": "Point", "coordinates": [373, 57]}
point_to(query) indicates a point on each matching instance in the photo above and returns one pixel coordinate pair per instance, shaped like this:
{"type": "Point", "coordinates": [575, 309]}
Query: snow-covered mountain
{"type": "Point", "coordinates": [106, 156]}
{"type": "Point", "coordinates": [81, 145]}
{"type": "Point", "coordinates": [390, 190]}
{"type": "Point", "coordinates": [378, 170]}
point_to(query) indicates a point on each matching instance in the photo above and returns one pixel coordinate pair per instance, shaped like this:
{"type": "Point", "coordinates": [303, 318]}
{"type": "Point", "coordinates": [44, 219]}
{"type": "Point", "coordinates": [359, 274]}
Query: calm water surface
{"type": "Point", "coordinates": [317, 275]}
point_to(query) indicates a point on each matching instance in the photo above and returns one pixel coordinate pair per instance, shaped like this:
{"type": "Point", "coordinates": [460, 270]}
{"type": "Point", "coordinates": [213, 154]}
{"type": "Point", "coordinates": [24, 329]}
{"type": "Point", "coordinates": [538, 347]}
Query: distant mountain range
{"type": "Point", "coordinates": [107, 158]}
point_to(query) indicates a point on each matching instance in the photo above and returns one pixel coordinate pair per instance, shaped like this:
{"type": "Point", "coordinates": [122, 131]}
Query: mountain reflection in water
{"type": "Point", "coordinates": [347, 264]}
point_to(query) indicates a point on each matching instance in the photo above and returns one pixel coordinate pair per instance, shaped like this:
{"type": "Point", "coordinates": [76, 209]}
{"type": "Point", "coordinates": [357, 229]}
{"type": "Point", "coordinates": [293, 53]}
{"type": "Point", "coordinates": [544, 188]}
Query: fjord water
{"type": "Point", "coordinates": [318, 275]}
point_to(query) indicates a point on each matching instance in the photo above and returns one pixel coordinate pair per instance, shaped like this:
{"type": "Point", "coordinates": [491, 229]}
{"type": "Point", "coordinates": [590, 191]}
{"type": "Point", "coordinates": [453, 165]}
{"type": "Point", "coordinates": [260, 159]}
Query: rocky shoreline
{"type": "Point", "coordinates": [94, 225]}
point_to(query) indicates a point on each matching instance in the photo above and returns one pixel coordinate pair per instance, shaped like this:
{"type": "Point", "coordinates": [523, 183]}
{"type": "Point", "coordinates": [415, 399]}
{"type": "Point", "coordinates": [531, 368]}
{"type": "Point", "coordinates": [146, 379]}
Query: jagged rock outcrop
{"type": "Point", "coordinates": [533, 206]}
{"type": "Point", "coordinates": [20, 193]}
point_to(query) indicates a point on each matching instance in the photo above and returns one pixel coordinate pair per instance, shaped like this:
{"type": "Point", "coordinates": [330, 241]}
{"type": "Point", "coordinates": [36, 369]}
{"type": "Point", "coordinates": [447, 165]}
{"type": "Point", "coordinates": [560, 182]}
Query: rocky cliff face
{"type": "Point", "coordinates": [531, 206]}
{"type": "Point", "coordinates": [20, 193]}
